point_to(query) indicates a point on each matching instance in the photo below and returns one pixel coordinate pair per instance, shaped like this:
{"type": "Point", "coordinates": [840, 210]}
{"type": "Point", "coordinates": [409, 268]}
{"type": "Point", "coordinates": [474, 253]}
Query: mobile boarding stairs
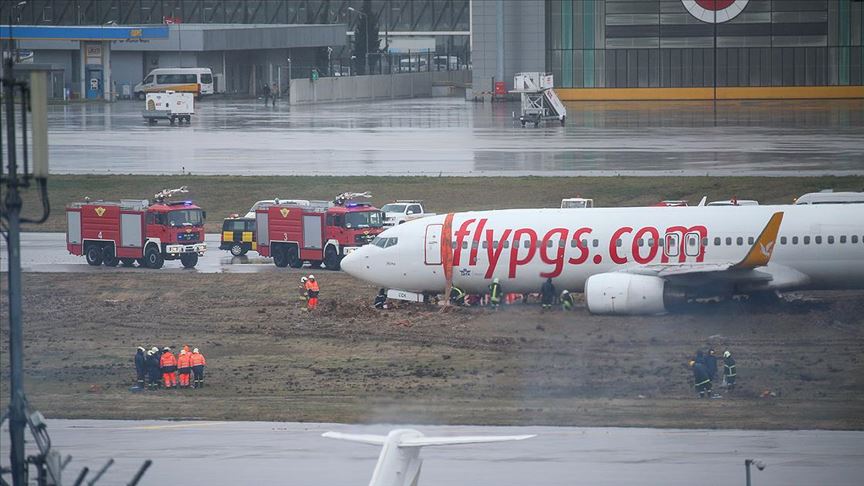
{"type": "Point", "coordinates": [539, 101]}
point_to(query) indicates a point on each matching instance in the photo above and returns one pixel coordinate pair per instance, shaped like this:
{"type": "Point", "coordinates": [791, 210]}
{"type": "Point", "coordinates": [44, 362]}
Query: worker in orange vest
{"type": "Point", "coordinates": [184, 367]}
{"type": "Point", "coordinates": [168, 365]}
{"type": "Point", "coordinates": [198, 363]}
{"type": "Point", "coordinates": [312, 293]}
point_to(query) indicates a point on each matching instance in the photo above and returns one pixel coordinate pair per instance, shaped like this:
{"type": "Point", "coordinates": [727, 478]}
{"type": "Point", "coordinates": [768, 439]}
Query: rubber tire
{"type": "Point", "coordinates": [331, 259]}
{"type": "Point", "coordinates": [237, 250]}
{"type": "Point", "coordinates": [189, 260]}
{"type": "Point", "coordinates": [315, 263]}
{"type": "Point", "coordinates": [127, 262]}
{"type": "Point", "coordinates": [153, 259]}
{"type": "Point", "coordinates": [294, 260]}
{"type": "Point", "coordinates": [280, 257]}
{"type": "Point", "coordinates": [108, 257]}
{"type": "Point", "coordinates": [94, 255]}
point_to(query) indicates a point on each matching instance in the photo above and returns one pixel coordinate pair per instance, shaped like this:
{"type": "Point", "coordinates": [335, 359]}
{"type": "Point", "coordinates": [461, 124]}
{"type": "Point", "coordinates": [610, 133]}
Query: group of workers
{"type": "Point", "coordinates": [495, 295]}
{"type": "Point", "coordinates": [309, 291]}
{"type": "Point", "coordinates": [155, 368]}
{"type": "Point", "coordinates": [705, 371]}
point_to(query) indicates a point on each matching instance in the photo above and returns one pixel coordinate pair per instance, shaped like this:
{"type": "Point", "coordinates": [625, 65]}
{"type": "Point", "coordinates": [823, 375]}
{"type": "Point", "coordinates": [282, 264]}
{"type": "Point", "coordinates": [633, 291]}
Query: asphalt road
{"type": "Point", "coordinates": [453, 137]}
{"type": "Point", "coordinates": [295, 453]}
{"type": "Point", "coordinates": [46, 252]}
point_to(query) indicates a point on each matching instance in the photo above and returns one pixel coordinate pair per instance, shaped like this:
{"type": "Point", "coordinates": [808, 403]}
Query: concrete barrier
{"type": "Point", "coordinates": [379, 86]}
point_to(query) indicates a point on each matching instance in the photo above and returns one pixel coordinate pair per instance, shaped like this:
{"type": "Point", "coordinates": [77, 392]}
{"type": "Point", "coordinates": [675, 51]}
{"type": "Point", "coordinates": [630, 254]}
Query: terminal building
{"type": "Point", "coordinates": [674, 49]}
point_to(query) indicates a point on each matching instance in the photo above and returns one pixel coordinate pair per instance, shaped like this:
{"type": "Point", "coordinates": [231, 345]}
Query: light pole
{"type": "Point", "coordinates": [759, 465]}
{"type": "Point", "coordinates": [365, 35]}
{"type": "Point", "coordinates": [329, 64]}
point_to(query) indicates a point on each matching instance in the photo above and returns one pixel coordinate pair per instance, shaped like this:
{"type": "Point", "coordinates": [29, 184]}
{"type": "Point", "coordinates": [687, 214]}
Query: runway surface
{"type": "Point", "coordinates": [46, 252]}
{"type": "Point", "coordinates": [295, 453]}
{"type": "Point", "coordinates": [453, 137]}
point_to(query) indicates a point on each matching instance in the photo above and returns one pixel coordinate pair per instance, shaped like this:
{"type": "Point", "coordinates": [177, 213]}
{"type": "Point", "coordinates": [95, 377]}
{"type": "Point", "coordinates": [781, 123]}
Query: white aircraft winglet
{"type": "Point", "coordinates": [399, 462]}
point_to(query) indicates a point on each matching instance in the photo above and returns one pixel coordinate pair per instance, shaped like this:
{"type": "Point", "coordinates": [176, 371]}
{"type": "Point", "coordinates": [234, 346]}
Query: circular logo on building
{"type": "Point", "coordinates": [715, 11]}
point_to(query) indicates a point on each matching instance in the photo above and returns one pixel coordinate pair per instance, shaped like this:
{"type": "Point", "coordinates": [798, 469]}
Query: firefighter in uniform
{"type": "Point", "coordinates": [457, 296]}
{"type": "Point", "coordinates": [312, 293]}
{"type": "Point", "coordinates": [700, 379]}
{"type": "Point", "coordinates": [711, 364]}
{"type": "Point", "coordinates": [304, 293]}
{"type": "Point", "coordinates": [547, 294]}
{"type": "Point", "coordinates": [198, 363]}
{"type": "Point", "coordinates": [381, 299]}
{"type": "Point", "coordinates": [495, 293]}
{"type": "Point", "coordinates": [140, 367]}
{"type": "Point", "coordinates": [153, 372]}
{"type": "Point", "coordinates": [184, 368]}
{"type": "Point", "coordinates": [168, 365]}
{"type": "Point", "coordinates": [729, 372]}
{"type": "Point", "coordinates": [567, 300]}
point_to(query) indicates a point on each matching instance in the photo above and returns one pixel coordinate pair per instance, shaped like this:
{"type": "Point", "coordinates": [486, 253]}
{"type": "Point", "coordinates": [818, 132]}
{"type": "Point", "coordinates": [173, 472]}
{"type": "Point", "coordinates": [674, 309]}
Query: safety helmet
{"type": "Point", "coordinates": [311, 277]}
{"type": "Point", "coordinates": [141, 349]}
{"type": "Point", "coordinates": [565, 292]}
{"type": "Point", "coordinates": [154, 349]}
{"type": "Point", "coordinates": [495, 280]}
{"type": "Point", "coordinates": [726, 354]}
{"type": "Point", "coordinates": [691, 363]}
{"type": "Point", "coordinates": [149, 353]}
{"type": "Point", "coordinates": [195, 350]}
{"type": "Point", "coordinates": [303, 279]}
{"type": "Point", "coordinates": [182, 351]}
{"type": "Point", "coordinates": [166, 348]}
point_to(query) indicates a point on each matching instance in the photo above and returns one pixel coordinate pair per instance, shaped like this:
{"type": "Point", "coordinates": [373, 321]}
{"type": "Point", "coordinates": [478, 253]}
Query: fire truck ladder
{"type": "Point", "coordinates": [539, 101]}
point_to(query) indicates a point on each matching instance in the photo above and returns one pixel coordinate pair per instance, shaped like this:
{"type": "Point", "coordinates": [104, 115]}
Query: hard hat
{"type": "Point", "coordinates": [195, 350]}
{"type": "Point", "coordinates": [691, 363]}
{"type": "Point", "coordinates": [495, 280]}
{"type": "Point", "coordinates": [149, 353]}
{"type": "Point", "coordinates": [141, 349]}
{"type": "Point", "coordinates": [303, 279]}
{"type": "Point", "coordinates": [182, 351]}
{"type": "Point", "coordinates": [311, 277]}
{"type": "Point", "coordinates": [726, 354]}
{"type": "Point", "coordinates": [154, 349]}
{"type": "Point", "coordinates": [166, 348]}
{"type": "Point", "coordinates": [565, 292]}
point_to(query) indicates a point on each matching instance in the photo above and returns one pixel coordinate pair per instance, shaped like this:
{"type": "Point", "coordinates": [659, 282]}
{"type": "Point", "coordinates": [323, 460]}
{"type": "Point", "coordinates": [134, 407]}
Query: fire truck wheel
{"type": "Point", "coordinates": [315, 264]}
{"type": "Point", "coordinates": [127, 262]}
{"type": "Point", "coordinates": [331, 259]}
{"type": "Point", "coordinates": [94, 255]}
{"type": "Point", "coordinates": [153, 259]}
{"type": "Point", "coordinates": [237, 249]}
{"type": "Point", "coordinates": [108, 257]}
{"type": "Point", "coordinates": [189, 260]}
{"type": "Point", "coordinates": [294, 259]}
{"type": "Point", "coordinates": [280, 257]}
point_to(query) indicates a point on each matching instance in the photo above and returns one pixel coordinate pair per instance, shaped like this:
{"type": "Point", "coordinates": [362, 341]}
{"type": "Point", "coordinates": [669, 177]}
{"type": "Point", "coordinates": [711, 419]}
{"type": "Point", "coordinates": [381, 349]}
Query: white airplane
{"type": "Point", "coordinates": [626, 260]}
{"type": "Point", "coordinates": [399, 462]}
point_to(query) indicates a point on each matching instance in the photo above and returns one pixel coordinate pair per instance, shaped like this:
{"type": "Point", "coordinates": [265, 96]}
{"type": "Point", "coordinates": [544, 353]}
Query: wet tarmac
{"type": "Point", "coordinates": [46, 253]}
{"type": "Point", "coordinates": [295, 453]}
{"type": "Point", "coordinates": [446, 136]}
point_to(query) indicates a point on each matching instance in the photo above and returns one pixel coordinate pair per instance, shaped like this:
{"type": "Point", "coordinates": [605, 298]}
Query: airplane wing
{"type": "Point", "coordinates": [362, 438]}
{"type": "Point", "coordinates": [758, 256]}
{"type": "Point", "coordinates": [438, 441]}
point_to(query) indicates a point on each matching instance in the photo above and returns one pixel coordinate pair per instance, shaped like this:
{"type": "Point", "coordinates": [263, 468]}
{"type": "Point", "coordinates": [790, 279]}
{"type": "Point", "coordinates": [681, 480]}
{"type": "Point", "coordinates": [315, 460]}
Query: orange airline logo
{"type": "Point", "coordinates": [100, 211]}
{"type": "Point", "coordinates": [284, 212]}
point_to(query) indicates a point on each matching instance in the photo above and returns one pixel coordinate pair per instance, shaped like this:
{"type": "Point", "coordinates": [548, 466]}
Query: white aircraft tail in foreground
{"type": "Point", "coordinates": [399, 462]}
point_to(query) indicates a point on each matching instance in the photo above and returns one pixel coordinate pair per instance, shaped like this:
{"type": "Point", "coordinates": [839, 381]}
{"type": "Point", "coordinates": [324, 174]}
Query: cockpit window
{"type": "Point", "coordinates": [385, 242]}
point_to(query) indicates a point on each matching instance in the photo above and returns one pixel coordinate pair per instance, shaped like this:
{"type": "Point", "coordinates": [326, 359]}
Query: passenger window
{"type": "Point", "coordinates": [561, 244]}
{"type": "Point", "coordinates": [728, 241]}
{"type": "Point", "coordinates": [782, 240]}
{"type": "Point", "coordinates": [239, 226]}
{"type": "Point", "coordinates": [506, 243]}
{"type": "Point", "coordinates": [583, 244]}
{"type": "Point", "coordinates": [672, 245]}
{"type": "Point", "coordinates": [806, 240]}
{"type": "Point", "coordinates": [641, 242]}
{"type": "Point", "coordinates": [392, 242]}
{"type": "Point", "coordinates": [572, 243]}
{"type": "Point", "coordinates": [464, 245]}
{"type": "Point", "coordinates": [485, 244]}
{"type": "Point", "coordinates": [794, 240]}
{"type": "Point", "coordinates": [842, 239]}
{"type": "Point", "coordinates": [618, 242]}
{"type": "Point", "coordinates": [474, 245]}
{"type": "Point", "coordinates": [854, 238]}
{"type": "Point", "coordinates": [415, 209]}
{"type": "Point", "coordinates": [495, 244]}
{"type": "Point", "coordinates": [818, 240]}
{"type": "Point", "coordinates": [692, 247]}
{"type": "Point", "coordinates": [595, 243]}
{"type": "Point", "coordinates": [453, 244]}
{"type": "Point", "coordinates": [716, 241]}
{"type": "Point", "coordinates": [526, 244]}
{"type": "Point", "coordinates": [704, 241]}
{"type": "Point", "coordinates": [548, 243]}
{"type": "Point", "coordinates": [750, 240]}
{"type": "Point", "coordinates": [148, 79]}
{"type": "Point", "coordinates": [831, 239]}
{"type": "Point", "coordinates": [739, 241]}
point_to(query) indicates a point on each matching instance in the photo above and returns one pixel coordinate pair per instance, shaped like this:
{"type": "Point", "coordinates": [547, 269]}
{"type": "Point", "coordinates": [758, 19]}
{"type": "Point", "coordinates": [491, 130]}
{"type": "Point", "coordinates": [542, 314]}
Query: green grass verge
{"type": "Point", "coordinates": [222, 195]}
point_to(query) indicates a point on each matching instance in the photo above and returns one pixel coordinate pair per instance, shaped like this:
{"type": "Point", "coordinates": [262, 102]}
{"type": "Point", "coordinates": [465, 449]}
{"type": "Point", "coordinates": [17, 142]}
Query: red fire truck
{"type": "Point", "coordinates": [293, 234]}
{"type": "Point", "coordinates": [134, 230]}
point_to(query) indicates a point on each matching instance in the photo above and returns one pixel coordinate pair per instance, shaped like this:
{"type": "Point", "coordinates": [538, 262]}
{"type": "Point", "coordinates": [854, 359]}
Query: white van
{"type": "Point", "coordinates": [198, 81]}
{"type": "Point", "coordinates": [830, 197]}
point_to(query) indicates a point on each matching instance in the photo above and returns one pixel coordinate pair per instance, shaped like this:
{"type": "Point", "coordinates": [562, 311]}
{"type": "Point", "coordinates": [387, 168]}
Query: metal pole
{"type": "Point", "coordinates": [499, 39]}
{"type": "Point", "coordinates": [17, 415]}
{"type": "Point", "coordinates": [366, 20]}
{"type": "Point", "coordinates": [715, 69]}
{"type": "Point", "coordinates": [747, 468]}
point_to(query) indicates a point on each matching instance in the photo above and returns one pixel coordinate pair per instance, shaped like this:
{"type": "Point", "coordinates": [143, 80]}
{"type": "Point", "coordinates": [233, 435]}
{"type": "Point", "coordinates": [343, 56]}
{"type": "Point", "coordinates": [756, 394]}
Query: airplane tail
{"type": "Point", "coordinates": [441, 441]}
{"type": "Point", "coordinates": [362, 438]}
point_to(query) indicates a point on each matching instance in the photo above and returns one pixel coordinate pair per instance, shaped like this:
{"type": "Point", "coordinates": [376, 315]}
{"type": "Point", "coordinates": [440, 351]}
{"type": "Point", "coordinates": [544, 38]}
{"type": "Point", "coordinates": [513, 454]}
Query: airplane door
{"type": "Point", "coordinates": [433, 244]}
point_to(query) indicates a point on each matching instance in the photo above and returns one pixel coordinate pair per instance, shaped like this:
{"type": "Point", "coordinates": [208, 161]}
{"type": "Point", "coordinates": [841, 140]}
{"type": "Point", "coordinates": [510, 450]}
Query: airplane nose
{"type": "Point", "coordinates": [352, 263]}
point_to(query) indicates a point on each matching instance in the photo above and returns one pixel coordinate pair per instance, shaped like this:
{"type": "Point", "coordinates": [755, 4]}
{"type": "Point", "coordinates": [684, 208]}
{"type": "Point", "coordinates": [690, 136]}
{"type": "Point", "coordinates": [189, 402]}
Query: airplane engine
{"type": "Point", "coordinates": [625, 294]}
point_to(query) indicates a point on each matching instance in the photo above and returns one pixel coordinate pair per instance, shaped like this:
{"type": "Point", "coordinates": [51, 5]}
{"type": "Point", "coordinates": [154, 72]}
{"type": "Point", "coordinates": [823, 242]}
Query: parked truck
{"type": "Point", "coordinates": [170, 106]}
{"type": "Point", "coordinates": [293, 234]}
{"type": "Point", "coordinates": [401, 211]}
{"type": "Point", "coordinates": [129, 231]}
